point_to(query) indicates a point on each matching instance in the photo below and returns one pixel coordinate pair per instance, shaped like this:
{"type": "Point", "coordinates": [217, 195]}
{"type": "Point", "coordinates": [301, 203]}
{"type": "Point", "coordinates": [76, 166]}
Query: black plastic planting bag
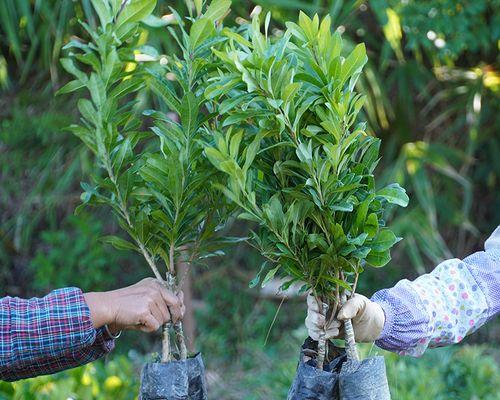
{"type": "Point", "coordinates": [342, 378]}
{"type": "Point", "coordinates": [364, 380]}
{"type": "Point", "coordinates": [311, 383]}
{"type": "Point", "coordinates": [175, 380]}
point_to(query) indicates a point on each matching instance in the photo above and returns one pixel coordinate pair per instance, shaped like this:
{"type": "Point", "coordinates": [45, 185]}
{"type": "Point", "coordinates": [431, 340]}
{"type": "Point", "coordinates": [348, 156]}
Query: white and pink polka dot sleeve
{"type": "Point", "coordinates": [444, 306]}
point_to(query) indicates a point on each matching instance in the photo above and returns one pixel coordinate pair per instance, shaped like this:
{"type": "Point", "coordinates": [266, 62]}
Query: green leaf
{"type": "Point", "coordinates": [353, 63]}
{"type": "Point", "coordinates": [217, 9]}
{"type": "Point", "coordinates": [249, 217]}
{"type": "Point", "coordinates": [255, 281]}
{"type": "Point", "coordinates": [358, 240]}
{"type": "Point", "coordinates": [87, 110]}
{"type": "Point", "coordinates": [103, 11]}
{"type": "Point", "coordinates": [394, 194]}
{"type": "Point", "coordinates": [69, 65]}
{"type": "Point", "coordinates": [238, 38]}
{"type": "Point", "coordinates": [133, 12]}
{"type": "Point", "coordinates": [189, 109]}
{"type": "Point", "coordinates": [342, 206]}
{"type": "Point", "coordinates": [215, 156]}
{"type": "Point", "coordinates": [304, 152]}
{"type": "Point", "coordinates": [384, 241]}
{"type": "Point", "coordinates": [270, 275]}
{"type": "Point", "coordinates": [201, 30]}
{"type": "Point", "coordinates": [119, 243]}
{"type": "Point", "coordinates": [124, 150]}
{"type": "Point", "coordinates": [359, 221]}
{"type": "Point", "coordinates": [198, 4]}
{"type": "Point", "coordinates": [162, 88]}
{"type": "Point", "coordinates": [70, 87]}
{"type": "Point", "coordinates": [376, 259]}
{"type": "Point", "coordinates": [371, 225]}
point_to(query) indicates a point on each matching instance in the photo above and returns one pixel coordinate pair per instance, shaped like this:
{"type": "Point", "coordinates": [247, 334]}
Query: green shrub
{"type": "Point", "coordinates": [82, 261]}
{"type": "Point", "coordinates": [117, 380]}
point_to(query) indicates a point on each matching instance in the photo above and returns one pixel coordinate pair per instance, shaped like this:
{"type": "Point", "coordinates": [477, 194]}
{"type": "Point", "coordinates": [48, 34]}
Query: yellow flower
{"type": "Point", "coordinates": [112, 383]}
{"type": "Point", "coordinates": [86, 379]}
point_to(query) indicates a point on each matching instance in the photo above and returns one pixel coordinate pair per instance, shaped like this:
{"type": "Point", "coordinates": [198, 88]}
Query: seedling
{"type": "Point", "coordinates": [157, 183]}
{"type": "Point", "coordinates": [298, 161]}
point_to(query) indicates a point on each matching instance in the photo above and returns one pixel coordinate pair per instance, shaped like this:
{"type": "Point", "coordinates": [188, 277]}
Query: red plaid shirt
{"type": "Point", "coordinates": [41, 336]}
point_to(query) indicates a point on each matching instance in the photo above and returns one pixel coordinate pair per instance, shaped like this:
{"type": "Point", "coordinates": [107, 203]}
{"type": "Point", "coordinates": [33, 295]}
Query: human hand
{"type": "Point", "coordinates": [367, 318]}
{"type": "Point", "coordinates": [144, 306]}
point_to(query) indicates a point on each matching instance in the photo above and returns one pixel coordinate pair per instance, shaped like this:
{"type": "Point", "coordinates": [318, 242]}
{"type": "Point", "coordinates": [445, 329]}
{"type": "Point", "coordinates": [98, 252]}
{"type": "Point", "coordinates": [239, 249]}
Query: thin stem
{"type": "Point", "coordinates": [165, 344]}
{"type": "Point", "coordinates": [351, 348]}
{"type": "Point", "coordinates": [171, 266]}
{"type": "Point", "coordinates": [179, 335]}
{"type": "Point", "coordinates": [322, 342]}
{"type": "Point", "coordinates": [355, 285]}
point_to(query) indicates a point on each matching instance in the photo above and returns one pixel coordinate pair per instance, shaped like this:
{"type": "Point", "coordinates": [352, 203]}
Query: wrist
{"type": "Point", "coordinates": [387, 321]}
{"type": "Point", "coordinates": [100, 310]}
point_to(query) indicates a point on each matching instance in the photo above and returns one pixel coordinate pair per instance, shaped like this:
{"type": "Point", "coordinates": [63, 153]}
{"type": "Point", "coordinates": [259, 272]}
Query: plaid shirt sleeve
{"type": "Point", "coordinates": [45, 335]}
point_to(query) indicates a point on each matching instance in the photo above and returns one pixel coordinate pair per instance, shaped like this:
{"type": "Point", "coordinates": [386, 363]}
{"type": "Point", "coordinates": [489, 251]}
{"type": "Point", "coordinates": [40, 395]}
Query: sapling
{"type": "Point", "coordinates": [158, 184]}
{"type": "Point", "coordinates": [298, 159]}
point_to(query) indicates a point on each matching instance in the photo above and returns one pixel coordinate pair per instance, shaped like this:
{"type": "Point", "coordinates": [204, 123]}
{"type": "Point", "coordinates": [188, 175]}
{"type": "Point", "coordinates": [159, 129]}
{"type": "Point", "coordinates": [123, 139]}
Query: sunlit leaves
{"type": "Point", "coordinates": [307, 178]}
{"type": "Point", "coordinates": [217, 9]}
{"type": "Point", "coordinates": [158, 185]}
{"type": "Point", "coordinates": [394, 194]}
{"type": "Point", "coordinates": [201, 30]}
{"type": "Point", "coordinates": [133, 12]}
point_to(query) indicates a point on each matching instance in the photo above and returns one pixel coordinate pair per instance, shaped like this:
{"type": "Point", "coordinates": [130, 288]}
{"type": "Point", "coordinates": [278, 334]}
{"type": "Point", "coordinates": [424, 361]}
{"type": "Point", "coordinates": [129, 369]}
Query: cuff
{"type": "Point", "coordinates": [389, 319]}
{"type": "Point", "coordinates": [406, 321]}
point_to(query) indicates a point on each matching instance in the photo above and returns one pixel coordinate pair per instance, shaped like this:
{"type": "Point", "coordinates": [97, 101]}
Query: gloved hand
{"type": "Point", "coordinates": [367, 317]}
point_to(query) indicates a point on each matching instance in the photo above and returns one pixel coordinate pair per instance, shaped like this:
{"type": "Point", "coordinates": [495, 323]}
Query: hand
{"type": "Point", "coordinates": [145, 306]}
{"type": "Point", "coordinates": [367, 318]}
{"type": "Point", "coordinates": [315, 322]}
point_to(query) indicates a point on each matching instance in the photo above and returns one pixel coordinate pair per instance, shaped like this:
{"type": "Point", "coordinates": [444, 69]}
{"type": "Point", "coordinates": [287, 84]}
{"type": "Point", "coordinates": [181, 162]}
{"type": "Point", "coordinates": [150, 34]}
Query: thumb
{"type": "Point", "coordinates": [351, 308]}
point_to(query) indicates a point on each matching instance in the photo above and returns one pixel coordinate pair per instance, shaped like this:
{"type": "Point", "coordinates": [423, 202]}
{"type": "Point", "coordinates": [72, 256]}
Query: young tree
{"type": "Point", "coordinates": [158, 184]}
{"type": "Point", "coordinates": [298, 161]}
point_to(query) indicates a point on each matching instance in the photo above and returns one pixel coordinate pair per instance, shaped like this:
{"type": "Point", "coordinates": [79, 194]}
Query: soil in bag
{"type": "Point", "coordinates": [364, 380]}
{"type": "Point", "coordinates": [311, 383]}
{"type": "Point", "coordinates": [175, 380]}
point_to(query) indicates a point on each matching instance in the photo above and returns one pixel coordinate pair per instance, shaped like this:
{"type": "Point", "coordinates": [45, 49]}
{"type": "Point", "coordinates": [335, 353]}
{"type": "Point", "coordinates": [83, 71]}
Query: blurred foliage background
{"type": "Point", "coordinates": [433, 84]}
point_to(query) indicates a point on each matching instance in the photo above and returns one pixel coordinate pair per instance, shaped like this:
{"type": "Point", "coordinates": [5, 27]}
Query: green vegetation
{"type": "Point", "coordinates": [432, 84]}
{"type": "Point", "coordinates": [466, 373]}
{"type": "Point", "coordinates": [162, 195]}
{"type": "Point", "coordinates": [298, 160]}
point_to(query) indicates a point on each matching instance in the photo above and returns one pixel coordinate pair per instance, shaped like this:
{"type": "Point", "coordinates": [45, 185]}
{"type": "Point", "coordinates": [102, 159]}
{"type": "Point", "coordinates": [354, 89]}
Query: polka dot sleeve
{"type": "Point", "coordinates": [444, 306]}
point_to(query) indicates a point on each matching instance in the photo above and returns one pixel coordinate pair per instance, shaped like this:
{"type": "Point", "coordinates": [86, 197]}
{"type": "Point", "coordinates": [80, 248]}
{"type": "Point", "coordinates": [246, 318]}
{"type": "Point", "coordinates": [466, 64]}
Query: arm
{"type": "Point", "coordinates": [444, 306]}
{"type": "Point", "coordinates": [65, 328]}
{"type": "Point", "coordinates": [49, 334]}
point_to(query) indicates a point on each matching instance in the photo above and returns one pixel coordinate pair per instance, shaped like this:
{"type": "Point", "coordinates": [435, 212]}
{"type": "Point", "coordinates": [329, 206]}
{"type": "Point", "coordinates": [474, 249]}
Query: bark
{"type": "Point", "coordinates": [165, 344]}
{"type": "Point", "coordinates": [322, 345]}
{"type": "Point", "coordinates": [179, 335]}
{"type": "Point", "coordinates": [188, 322]}
{"type": "Point", "coordinates": [351, 348]}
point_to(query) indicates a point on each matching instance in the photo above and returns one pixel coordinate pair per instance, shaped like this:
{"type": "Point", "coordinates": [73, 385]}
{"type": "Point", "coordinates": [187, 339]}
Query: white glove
{"type": "Point", "coordinates": [367, 317]}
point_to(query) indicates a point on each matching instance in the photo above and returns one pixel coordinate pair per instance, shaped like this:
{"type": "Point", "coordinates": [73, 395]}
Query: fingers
{"type": "Point", "coordinates": [169, 302]}
{"type": "Point", "coordinates": [351, 308]}
{"type": "Point", "coordinates": [159, 312]}
{"type": "Point", "coordinates": [312, 304]}
{"type": "Point", "coordinates": [149, 324]}
{"type": "Point", "coordinates": [315, 323]}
